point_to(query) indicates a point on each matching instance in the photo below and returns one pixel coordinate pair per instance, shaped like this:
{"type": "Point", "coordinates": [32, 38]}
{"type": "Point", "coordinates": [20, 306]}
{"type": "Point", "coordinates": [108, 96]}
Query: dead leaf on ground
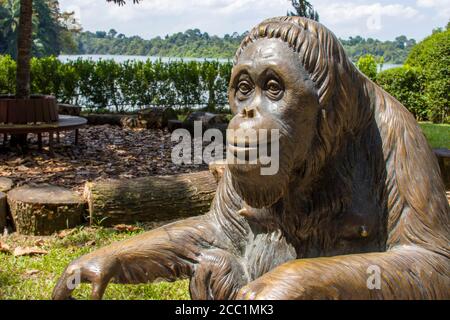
{"type": "Point", "coordinates": [28, 251]}
{"type": "Point", "coordinates": [126, 228]}
{"type": "Point", "coordinates": [89, 243]}
{"type": "Point", "coordinates": [65, 233]}
{"type": "Point", "coordinates": [32, 272]}
{"type": "Point", "coordinates": [39, 242]}
{"type": "Point", "coordinates": [4, 247]}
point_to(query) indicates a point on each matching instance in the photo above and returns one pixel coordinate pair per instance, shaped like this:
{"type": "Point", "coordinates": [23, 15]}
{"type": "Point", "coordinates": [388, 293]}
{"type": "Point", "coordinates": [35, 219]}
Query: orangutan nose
{"type": "Point", "coordinates": [249, 112]}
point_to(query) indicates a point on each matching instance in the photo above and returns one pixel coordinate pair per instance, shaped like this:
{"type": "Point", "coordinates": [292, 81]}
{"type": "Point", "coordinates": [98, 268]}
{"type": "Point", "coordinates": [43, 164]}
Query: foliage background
{"type": "Point", "coordinates": [432, 57]}
{"type": "Point", "coordinates": [423, 83]}
{"type": "Point", "coordinates": [53, 30]}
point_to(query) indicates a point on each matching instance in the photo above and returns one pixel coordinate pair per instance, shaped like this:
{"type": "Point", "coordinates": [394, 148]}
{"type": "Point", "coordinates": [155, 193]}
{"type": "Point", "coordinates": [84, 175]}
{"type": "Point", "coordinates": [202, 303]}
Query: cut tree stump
{"type": "Point", "coordinates": [6, 184]}
{"type": "Point", "coordinates": [44, 209]}
{"type": "Point", "coordinates": [3, 211]}
{"type": "Point", "coordinates": [149, 199]}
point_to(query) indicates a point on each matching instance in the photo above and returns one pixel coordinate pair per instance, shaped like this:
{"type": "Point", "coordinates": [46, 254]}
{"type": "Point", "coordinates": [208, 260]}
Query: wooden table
{"type": "Point", "coordinates": [65, 123]}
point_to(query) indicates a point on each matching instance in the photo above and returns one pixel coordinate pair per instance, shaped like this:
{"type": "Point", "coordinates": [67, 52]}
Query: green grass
{"type": "Point", "coordinates": [438, 135]}
{"type": "Point", "coordinates": [16, 282]}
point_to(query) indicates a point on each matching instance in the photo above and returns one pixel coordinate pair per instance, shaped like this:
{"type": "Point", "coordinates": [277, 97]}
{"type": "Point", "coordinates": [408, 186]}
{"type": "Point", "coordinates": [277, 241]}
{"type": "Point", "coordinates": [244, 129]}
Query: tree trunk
{"type": "Point", "coordinates": [24, 49]}
{"type": "Point", "coordinates": [24, 43]}
{"type": "Point", "coordinates": [149, 199]}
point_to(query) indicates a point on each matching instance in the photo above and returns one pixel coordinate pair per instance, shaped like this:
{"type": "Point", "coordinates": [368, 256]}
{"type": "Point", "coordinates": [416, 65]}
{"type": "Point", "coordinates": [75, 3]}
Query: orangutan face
{"type": "Point", "coordinates": [269, 89]}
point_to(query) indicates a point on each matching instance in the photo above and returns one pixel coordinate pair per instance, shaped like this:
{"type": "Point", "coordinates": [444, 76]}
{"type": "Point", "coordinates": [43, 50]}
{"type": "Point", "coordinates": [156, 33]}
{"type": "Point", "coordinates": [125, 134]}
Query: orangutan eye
{"type": "Point", "coordinates": [244, 87]}
{"type": "Point", "coordinates": [273, 88]}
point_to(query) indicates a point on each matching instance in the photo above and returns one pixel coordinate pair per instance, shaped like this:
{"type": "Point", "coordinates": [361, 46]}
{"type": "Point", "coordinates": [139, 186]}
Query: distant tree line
{"type": "Point", "coordinates": [394, 52]}
{"type": "Point", "coordinates": [191, 43]}
{"type": "Point", "coordinates": [196, 44]}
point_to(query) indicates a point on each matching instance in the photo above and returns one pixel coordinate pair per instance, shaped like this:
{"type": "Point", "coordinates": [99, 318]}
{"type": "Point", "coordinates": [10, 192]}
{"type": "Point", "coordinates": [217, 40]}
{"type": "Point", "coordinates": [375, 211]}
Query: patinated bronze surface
{"type": "Point", "coordinates": [358, 187]}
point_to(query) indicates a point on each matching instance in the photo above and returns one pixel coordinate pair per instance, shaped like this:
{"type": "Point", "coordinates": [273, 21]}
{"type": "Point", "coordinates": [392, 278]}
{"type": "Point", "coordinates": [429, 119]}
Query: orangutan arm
{"type": "Point", "coordinates": [167, 253]}
{"type": "Point", "coordinates": [405, 273]}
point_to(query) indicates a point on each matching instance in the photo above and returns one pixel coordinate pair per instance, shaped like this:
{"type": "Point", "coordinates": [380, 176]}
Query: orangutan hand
{"type": "Point", "coordinates": [95, 269]}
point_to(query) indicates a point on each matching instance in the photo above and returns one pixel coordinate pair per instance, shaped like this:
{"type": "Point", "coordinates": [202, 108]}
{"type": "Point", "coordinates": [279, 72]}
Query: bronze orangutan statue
{"type": "Point", "coordinates": [358, 186]}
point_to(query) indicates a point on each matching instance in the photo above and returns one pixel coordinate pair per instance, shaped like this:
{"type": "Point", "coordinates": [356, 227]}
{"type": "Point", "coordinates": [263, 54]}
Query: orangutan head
{"type": "Point", "coordinates": [285, 78]}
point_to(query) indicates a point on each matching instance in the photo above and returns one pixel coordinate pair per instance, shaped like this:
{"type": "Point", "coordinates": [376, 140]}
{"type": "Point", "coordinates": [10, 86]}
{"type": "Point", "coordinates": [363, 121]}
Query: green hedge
{"type": "Point", "coordinates": [367, 64]}
{"type": "Point", "coordinates": [7, 75]}
{"type": "Point", "coordinates": [432, 55]}
{"type": "Point", "coordinates": [130, 85]}
{"type": "Point", "coordinates": [406, 85]}
{"type": "Point", "coordinates": [423, 84]}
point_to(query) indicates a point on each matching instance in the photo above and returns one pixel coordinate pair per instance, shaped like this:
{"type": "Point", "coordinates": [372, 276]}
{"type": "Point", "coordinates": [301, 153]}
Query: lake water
{"type": "Point", "coordinates": [388, 66]}
{"type": "Point", "coordinates": [121, 58]}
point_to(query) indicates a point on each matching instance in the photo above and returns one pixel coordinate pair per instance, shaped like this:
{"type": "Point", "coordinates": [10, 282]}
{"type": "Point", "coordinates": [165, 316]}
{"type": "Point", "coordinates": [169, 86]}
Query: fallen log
{"type": "Point", "coordinates": [44, 209]}
{"type": "Point", "coordinates": [149, 199]}
{"type": "Point", "coordinates": [101, 119]}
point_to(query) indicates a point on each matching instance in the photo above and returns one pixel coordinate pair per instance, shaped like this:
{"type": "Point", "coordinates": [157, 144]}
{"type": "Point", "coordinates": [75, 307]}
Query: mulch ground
{"type": "Point", "coordinates": [103, 152]}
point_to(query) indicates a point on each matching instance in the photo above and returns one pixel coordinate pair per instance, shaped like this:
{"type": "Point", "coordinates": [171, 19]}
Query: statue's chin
{"type": "Point", "coordinates": [255, 189]}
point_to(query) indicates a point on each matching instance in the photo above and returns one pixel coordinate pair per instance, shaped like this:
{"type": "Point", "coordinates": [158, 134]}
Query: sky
{"type": "Point", "coordinates": [382, 19]}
